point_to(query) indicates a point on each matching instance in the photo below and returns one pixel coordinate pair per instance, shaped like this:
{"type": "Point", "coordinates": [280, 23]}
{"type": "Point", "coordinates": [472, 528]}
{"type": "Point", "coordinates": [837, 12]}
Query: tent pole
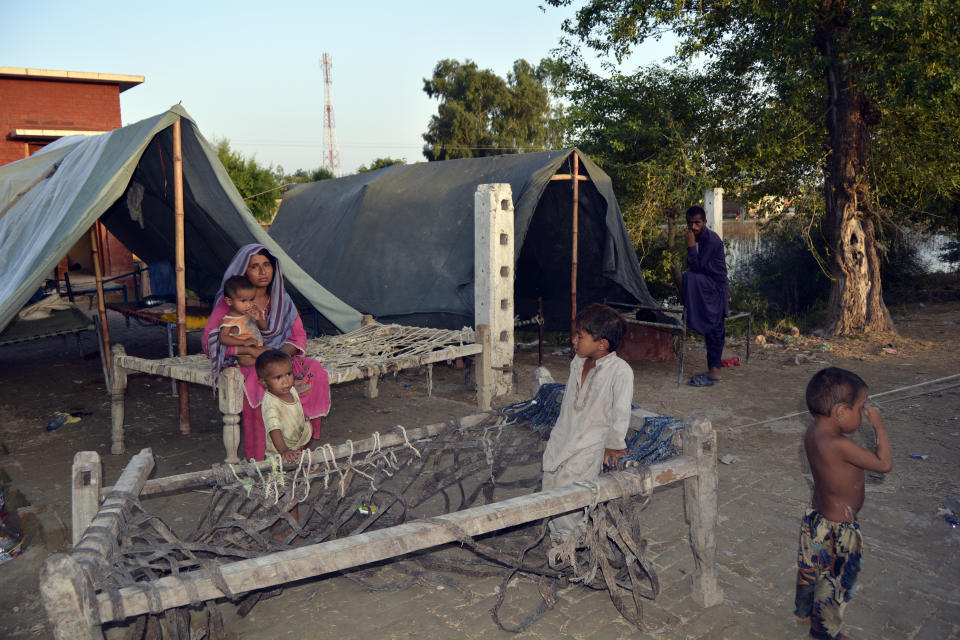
{"type": "Point", "coordinates": [574, 252]}
{"type": "Point", "coordinates": [180, 271]}
{"type": "Point", "coordinates": [95, 251]}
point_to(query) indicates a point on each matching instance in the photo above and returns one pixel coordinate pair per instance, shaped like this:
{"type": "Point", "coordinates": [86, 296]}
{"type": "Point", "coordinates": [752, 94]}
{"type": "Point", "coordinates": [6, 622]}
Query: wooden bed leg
{"type": "Point", "coordinates": [87, 480]}
{"type": "Point", "coordinates": [183, 402]}
{"type": "Point", "coordinates": [118, 387]}
{"type": "Point", "coordinates": [370, 389]}
{"type": "Point", "coordinates": [68, 596]}
{"type": "Point", "coordinates": [429, 380]}
{"type": "Point", "coordinates": [231, 404]}
{"type": "Point", "coordinates": [700, 505]}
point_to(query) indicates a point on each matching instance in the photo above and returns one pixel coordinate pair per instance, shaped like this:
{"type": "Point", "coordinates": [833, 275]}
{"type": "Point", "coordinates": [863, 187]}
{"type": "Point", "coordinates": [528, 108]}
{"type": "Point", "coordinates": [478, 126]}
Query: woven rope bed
{"type": "Point", "coordinates": [367, 353]}
{"type": "Point", "coordinates": [458, 498]}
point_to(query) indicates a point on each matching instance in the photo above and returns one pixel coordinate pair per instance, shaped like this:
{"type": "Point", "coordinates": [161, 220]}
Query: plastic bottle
{"type": "Point", "coordinates": [58, 421]}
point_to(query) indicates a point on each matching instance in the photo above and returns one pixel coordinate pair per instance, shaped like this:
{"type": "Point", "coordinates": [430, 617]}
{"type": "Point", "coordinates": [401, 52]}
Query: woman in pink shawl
{"type": "Point", "coordinates": [284, 331]}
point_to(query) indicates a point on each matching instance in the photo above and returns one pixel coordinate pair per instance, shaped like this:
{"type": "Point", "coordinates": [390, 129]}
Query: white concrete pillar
{"type": "Point", "coordinates": [493, 277]}
{"type": "Point", "coordinates": [713, 205]}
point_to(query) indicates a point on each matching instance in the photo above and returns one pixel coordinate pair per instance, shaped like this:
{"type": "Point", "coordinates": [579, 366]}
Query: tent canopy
{"type": "Point", "coordinates": [125, 179]}
{"type": "Point", "coordinates": [398, 242]}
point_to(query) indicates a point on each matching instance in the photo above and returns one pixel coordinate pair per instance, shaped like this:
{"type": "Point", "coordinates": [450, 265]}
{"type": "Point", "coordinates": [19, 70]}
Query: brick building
{"type": "Point", "coordinates": [38, 106]}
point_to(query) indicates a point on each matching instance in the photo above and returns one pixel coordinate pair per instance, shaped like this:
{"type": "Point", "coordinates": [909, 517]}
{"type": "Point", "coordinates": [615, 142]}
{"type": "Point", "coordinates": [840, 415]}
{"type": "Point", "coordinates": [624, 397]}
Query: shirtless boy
{"type": "Point", "coordinates": [830, 539]}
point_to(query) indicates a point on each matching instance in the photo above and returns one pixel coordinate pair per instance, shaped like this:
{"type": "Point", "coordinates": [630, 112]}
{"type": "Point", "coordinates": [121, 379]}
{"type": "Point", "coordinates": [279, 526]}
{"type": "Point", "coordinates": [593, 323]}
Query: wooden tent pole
{"type": "Point", "coordinates": [180, 270]}
{"type": "Point", "coordinates": [574, 250]}
{"type": "Point", "coordinates": [95, 252]}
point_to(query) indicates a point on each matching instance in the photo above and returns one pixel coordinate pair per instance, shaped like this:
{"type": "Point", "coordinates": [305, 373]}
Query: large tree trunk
{"type": "Point", "coordinates": [856, 299]}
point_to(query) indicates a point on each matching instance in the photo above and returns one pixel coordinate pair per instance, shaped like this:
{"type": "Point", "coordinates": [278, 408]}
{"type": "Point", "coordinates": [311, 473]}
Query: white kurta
{"type": "Point", "coordinates": [594, 416]}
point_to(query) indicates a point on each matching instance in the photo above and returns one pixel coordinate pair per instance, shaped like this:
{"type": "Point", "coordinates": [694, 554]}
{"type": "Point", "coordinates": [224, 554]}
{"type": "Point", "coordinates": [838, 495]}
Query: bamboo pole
{"type": "Point", "coordinates": [180, 268]}
{"type": "Point", "coordinates": [336, 555]}
{"type": "Point", "coordinates": [95, 252]}
{"type": "Point", "coordinates": [540, 332]}
{"type": "Point", "coordinates": [575, 239]}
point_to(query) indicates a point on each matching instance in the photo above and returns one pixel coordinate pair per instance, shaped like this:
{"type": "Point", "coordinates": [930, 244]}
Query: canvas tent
{"type": "Point", "coordinates": [125, 179]}
{"type": "Point", "coordinates": [398, 242]}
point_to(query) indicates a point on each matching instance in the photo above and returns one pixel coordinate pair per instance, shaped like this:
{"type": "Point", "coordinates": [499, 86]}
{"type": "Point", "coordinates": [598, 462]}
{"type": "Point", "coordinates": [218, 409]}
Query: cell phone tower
{"type": "Point", "coordinates": [331, 151]}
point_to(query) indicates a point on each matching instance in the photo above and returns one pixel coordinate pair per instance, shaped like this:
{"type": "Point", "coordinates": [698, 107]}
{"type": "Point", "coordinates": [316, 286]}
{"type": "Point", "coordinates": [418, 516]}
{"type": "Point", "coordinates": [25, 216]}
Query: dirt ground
{"type": "Point", "coordinates": [757, 410]}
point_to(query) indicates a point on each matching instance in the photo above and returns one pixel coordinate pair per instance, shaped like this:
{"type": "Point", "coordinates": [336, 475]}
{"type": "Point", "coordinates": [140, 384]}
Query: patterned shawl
{"type": "Point", "coordinates": [280, 316]}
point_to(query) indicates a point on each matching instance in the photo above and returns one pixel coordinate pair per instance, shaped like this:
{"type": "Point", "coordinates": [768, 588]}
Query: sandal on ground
{"type": "Point", "coordinates": [701, 380]}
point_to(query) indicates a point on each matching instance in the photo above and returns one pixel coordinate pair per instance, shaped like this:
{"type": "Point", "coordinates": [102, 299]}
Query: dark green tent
{"type": "Point", "coordinates": [398, 242]}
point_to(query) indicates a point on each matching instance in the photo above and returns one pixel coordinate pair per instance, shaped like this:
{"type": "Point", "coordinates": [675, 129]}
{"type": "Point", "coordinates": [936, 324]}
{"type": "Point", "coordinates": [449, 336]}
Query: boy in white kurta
{"type": "Point", "coordinates": [595, 412]}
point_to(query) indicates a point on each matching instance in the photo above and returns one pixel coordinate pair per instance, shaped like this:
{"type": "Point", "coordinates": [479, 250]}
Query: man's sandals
{"type": "Point", "coordinates": [701, 380]}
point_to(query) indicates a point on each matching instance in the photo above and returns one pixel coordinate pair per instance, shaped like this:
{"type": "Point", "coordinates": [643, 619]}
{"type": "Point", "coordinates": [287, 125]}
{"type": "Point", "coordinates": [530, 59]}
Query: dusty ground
{"type": "Point", "coordinates": [911, 556]}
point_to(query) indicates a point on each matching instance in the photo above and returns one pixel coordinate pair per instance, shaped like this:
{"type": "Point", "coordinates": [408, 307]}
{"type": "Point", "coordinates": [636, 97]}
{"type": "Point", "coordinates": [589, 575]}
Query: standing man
{"type": "Point", "coordinates": [706, 292]}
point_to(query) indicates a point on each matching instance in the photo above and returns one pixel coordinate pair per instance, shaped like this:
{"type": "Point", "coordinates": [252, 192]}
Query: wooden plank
{"type": "Point", "coordinates": [85, 487]}
{"type": "Point", "coordinates": [700, 506]}
{"type": "Point", "coordinates": [392, 439]}
{"type": "Point", "coordinates": [337, 555]}
{"type": "Point", "coordinates": [101, 536]}
{"type": "Point", "coordinates": [68, 596]}
{"type": "Point", "coordinates": [567, 176]}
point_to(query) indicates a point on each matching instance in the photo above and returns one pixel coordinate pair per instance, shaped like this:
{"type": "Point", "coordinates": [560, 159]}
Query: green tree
{"type": "Point", "coordinates": [482, 114]}
{"type": "Point", "coordinates": [257, 184]}
{"type": "Point", "coordinates": [649, 131]}
{"type": "Point", "coordinates": [807, 86]}
{"type": "Point", "coordinates": [303, 175]}
{"type": "Point", "coordinates": [380, 163]}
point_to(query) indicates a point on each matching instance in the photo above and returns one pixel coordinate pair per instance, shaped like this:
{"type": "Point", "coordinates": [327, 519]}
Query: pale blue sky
{"type": "Point", "coordinates": [250, 72]}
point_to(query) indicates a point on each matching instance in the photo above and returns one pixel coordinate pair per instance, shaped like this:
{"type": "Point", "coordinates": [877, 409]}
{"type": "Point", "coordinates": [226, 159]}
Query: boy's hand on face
{"type": "Point", "coordinates": [610, 456]}
{"type": "Point", "coordinates": [690, 237]}
{"type": "Point", "coordinates": [873, 414]}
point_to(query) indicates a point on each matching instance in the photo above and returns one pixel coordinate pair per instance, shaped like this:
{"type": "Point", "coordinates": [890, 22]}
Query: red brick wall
{"type": "Point", "coordinates": [51, 104]}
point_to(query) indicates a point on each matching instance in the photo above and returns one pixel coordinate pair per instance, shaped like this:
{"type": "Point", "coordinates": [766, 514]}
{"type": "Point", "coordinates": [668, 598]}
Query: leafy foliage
{"type": "Point", "coordinates": [380, 163]}
{"type": "Point", "coordinates": [303, 175]}
{"type": "Point", "coordinates": [857, 96]}
{"type": "Point", "coordinates": [481, 114]}
{"type": "Point", "coordinates": [650, 132]}
{"type": "Point", "coordinates": [257, 184]}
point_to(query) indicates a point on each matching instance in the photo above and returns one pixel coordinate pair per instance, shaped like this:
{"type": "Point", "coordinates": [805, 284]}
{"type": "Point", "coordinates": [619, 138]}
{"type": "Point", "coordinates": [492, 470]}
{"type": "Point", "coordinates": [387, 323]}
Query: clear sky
{"type": "Point", "coordinates": [250, 71]}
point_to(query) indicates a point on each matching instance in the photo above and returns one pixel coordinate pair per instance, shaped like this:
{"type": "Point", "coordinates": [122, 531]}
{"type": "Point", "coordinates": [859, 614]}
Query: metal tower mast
{"type": "Point", "coordinates": [331, 151]}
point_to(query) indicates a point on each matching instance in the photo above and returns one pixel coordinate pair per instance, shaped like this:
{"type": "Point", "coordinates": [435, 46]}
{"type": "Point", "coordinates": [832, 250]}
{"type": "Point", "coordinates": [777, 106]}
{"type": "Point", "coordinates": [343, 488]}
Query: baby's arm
{"type": "Point", "coordinates": [879, 460]}
{"type": "Point", "coordinates": [228, 337]}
